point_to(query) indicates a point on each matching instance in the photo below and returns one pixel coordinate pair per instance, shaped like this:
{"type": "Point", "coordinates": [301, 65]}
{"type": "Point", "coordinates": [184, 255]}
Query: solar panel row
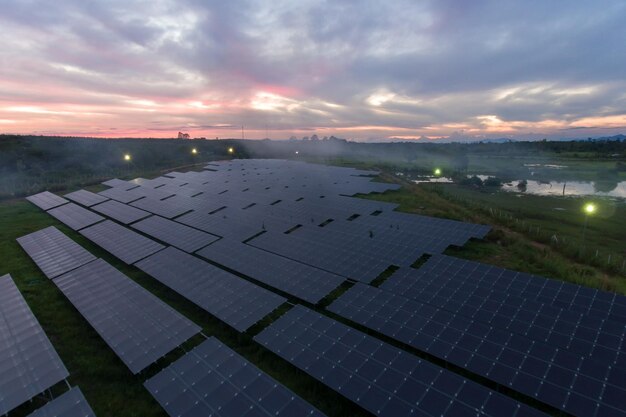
{"type": "Point", "coordinates": [46, 200]}
{"type": "Point", "coordinates": [231, 299]}
{"type": "Point", "coordinates": [166, 208]}
{"type": "Point", "coordinates": [53, 252]}
{"type": "Point", "coordinates": [175, 234]}
{"type": "Point", "coordinates": [577, 332]}
{"type": "Point", "coordinates": [576, 298]}
{"type": "Point", "coordinates": [127, 245]}
{"type": "Point", "coordinates": [121, 212]}
{"type": "Point", "coordinates": [29, 364]}
{"type": "Point", "coordinates": [70, 404]}
{"type": "Point", "coordinates": [382, 379]}
{"type": "Point", "coordinates": [300, 280]}
{"type": "Point", "coordinates": [548, 322]}
{"type": "Point", "coordinates": [213, 380]}
{"type": "Point", "coordinates": [137, 326]}
{"type": "Point", "coordinates": [75, 216]}
{"type": "Point", "coordinates": [579, 385]}
{"type": "Point", "coordinates": [341, 261]}
{"type": "Point", "coordinates": [85, 198]}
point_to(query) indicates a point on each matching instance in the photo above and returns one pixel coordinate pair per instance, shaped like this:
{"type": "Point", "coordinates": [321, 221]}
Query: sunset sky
{"type": "Point", "coordinates": [356, 69]}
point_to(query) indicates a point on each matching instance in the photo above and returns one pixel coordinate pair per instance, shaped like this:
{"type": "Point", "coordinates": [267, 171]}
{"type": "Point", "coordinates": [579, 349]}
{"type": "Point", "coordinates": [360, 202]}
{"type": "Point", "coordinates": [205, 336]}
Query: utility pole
{"type": "Point", "coordinates": [242, 132]}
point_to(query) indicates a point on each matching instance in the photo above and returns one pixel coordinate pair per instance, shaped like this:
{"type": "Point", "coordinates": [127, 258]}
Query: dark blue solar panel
{"type": "Point", "coordinates": [572, 331]}
{"type": "Point", "coordinates": [233, 300]}
{"type": "Point", "coordinates": [381, 378]}
{"type": "Point", "coordinates": [29, 364]}
{"type": "Point", "coordinates": [303, 281]}
{"type": "Point", "coordinates": [70, 404]}
{"type": "Point", "coordinates": [213, 380]}
{"type": "Point", "coordinates": [506, 358]}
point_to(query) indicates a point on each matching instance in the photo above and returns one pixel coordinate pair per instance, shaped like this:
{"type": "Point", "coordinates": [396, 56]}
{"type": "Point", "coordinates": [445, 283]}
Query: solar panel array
{"type": "Point", "coordinates": [46, 200]}
{"type": "Point", "coordinates": [324, 255]}
{"type": "Point", "coordinates": [53, 252]}
{"type": "Point", "coordinates": [121, 194]}
{"type": "Point", "coordinates": [300, 280]}
{"type": "Point", "coordinates": [469, 288]}
{"type": "Point", "coordinates": [164, 208]}
{"type": "Point", "coordinates": [579, 385]}
{"type": "Point", "coordinates": [382, 379]}
{"type": "Point", "coordinates": [127, 245]}
{"type": "Point", "coordinates": [29, 364]}
{"type": "Point", "coordinates": [74, 216]}
{"type": "Point", "coordinates": [70, 404]}
{"type": "Point", "coordinates": [213, 380]}
{"type": "Point", "coordinates": [175, 234]}
{"type": "Point", "coordinates": [120, 212]}
{"type": "Point", "coordinates": [232, 299]}
{"type": "Point", "coordinates": [137, 326]}
{"type": "Point", "coordinates": [85, 198]}
{"type": "Point", "coordinates": [596, 304]}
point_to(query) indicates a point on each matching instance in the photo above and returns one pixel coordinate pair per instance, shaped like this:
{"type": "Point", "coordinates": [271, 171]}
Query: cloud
{"type": "Point", "coordinates": [362, 69]}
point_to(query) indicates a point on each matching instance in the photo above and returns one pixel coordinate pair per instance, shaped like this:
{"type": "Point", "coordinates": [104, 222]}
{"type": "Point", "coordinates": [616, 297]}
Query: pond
{"type": "Point", "coordinates": [570, 188]}
{"type": "Point", "coordinates": [605, 188]}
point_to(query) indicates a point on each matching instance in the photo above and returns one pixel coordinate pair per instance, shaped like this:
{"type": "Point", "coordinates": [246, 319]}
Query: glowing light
{"type": "Point", "coordinates": [231, 150]}
{"type": "Point", "coordinates": [127, 157]}
{"type": "Point", "coordinates": [297, 152]}
{"type": "Point", "coordinates": [194, 151]}
{"type": "Point", "coordinates": [380, 98]}
{"type": "Point", "coordinates": [589, 208]}
{"type": "Point", "coordinates": [437, 171]}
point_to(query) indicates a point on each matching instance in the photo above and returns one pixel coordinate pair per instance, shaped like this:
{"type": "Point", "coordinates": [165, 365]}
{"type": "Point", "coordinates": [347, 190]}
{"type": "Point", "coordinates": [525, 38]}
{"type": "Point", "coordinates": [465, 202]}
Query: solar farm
{"type": "Point", "coordinates": [356, 301]}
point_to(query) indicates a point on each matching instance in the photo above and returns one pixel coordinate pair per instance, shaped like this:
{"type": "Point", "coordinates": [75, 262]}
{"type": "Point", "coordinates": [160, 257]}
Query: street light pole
{"type": "Point", "coordinates": [589, 209]}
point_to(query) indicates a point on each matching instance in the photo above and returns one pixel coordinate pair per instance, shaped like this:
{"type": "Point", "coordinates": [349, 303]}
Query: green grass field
{"type": "Point", "coordinates": [512, 245]}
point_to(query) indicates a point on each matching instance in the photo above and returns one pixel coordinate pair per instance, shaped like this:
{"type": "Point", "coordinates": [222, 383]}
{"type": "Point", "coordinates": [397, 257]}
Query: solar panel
{"type": "Point", "coordinates": [557, 327]}
{"type": "Point", "coordinates": [85, 198]}
{"type": "Point", "coordinates": [576, 298]}
{"type": "Point", "coordinates": [115, 182]}
{"type": "Point", "coordinates": [213, 380]}
{"type": "Point", "coordinates": [70, 404]}
{"type": "Point", "coordinates": [29, 364]}
{"type": "Point", "coordinates": [175, 234]}
{"type": "Point", "coordinates": [382, 379]}
{"type": "Point", "coordinates": [164, 208]}
{"type": "Point", "coordinates": [556, 377]}
{"type": "Point", "coordinates": [300, 280]}
{"type": "Point", "coordinates": [46, 200]}
{"type": "Point", "coordinates": [74, 216]}
{"type": "Point", "coordinates": [315, 252]}
{"type": "Point", "coordinates": [122, 195]}
{"type": "Point", "coordinates": [231, 299]}
{"type": "Point", "coordinates": [53, 252]}
{"type": "Point", "coordinates": [137, 326]}
{"type": "Point", "coordinates": [464, 287]}
{"type": "Point", "coordinates": [121, 242]}
{"type": "Point", "coordinates": [120, 212]}
{"type": "Point", "coordinates": [229, 222]}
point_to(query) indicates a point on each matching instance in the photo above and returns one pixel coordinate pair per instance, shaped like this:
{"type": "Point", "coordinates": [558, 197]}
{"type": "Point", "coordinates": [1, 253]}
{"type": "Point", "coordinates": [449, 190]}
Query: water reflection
{"type": "Point", "coordinates": [607, 188]}
{"type": "Point", "coordinates": [570, 188]}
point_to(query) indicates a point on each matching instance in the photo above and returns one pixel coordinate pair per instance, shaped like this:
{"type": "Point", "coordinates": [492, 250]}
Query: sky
{"type": "Point", "coordinates": [362, 70]}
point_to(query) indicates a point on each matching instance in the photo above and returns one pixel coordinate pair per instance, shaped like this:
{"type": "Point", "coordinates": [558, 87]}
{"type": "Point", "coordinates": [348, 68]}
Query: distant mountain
{"type": "Point", "coordinates": [459, 139]}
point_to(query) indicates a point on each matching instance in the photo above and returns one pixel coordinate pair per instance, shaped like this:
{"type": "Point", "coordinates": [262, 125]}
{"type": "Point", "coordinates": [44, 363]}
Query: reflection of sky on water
{"type": "Point", "coordinates": [432, 179]}
{"type": "Point", "coordinates": [572, 188]}
{"type": "Point", "coordinates": [555, 188]}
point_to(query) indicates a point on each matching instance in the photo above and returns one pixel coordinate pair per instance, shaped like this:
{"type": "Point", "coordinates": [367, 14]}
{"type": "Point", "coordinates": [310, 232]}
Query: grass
{"type": "Point", "coordinates": [508, 247]}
